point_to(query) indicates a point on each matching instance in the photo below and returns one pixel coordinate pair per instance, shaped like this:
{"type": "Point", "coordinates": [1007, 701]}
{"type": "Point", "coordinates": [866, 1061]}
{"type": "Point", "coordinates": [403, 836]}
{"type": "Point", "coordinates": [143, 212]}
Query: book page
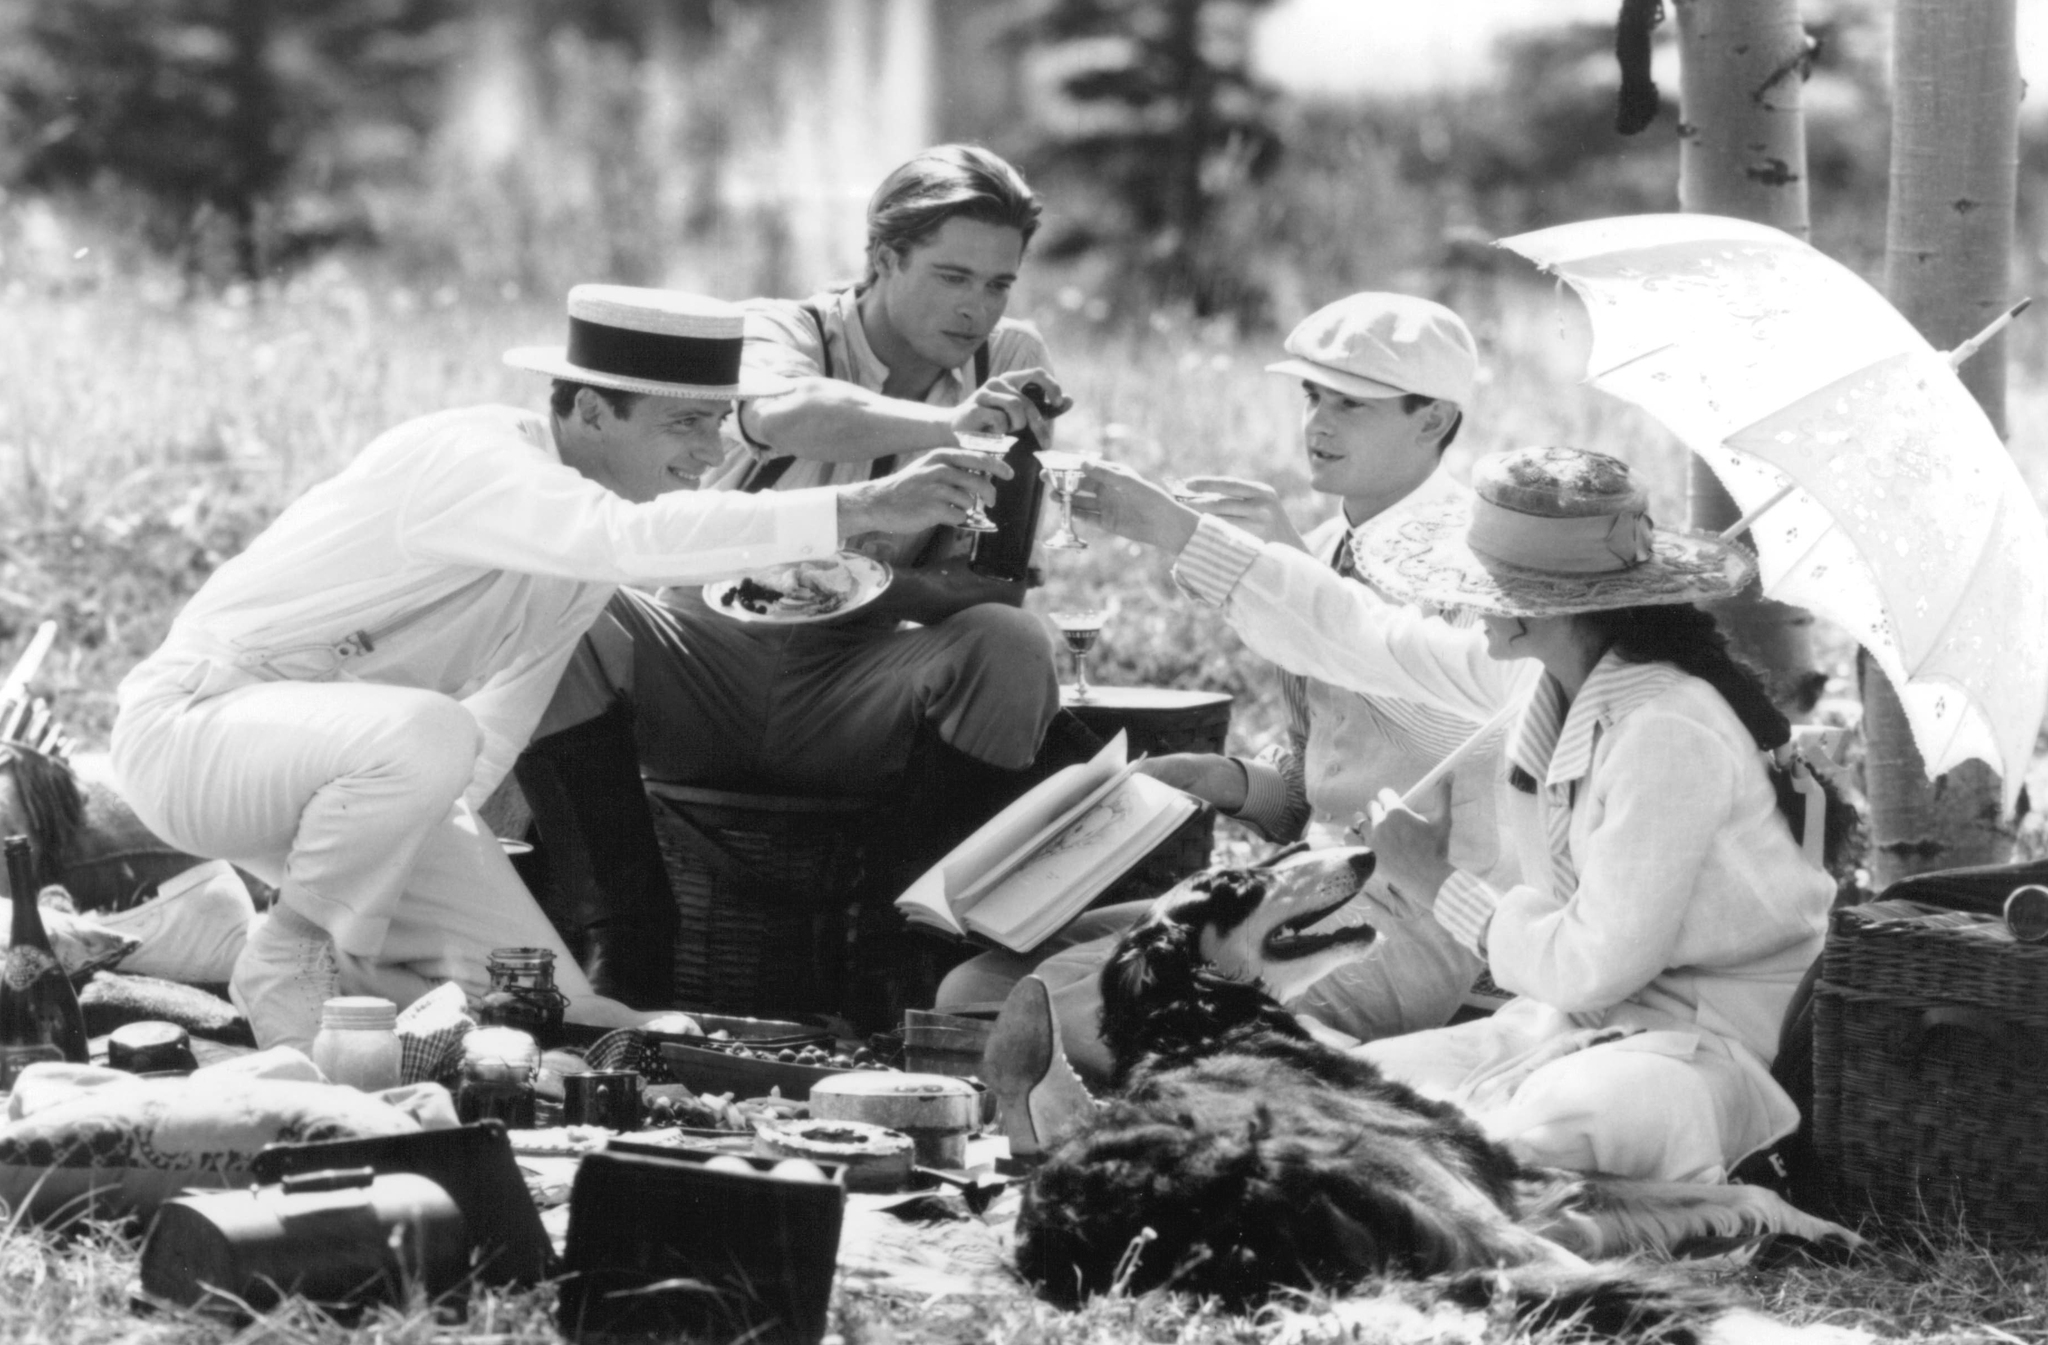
{"type": "Point", "coordinates": [1076, 865]}
{"type": "Point", "coordinates": [1006, 839]}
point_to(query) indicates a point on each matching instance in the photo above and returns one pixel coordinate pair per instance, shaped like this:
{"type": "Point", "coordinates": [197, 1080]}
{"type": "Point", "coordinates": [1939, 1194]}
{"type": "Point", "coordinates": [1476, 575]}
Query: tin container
{"type": "Point", "coordinates": [343, 1236]}
{"type": "Point", "coordinates": [151, 1047]}
{"type": "Point", "coordinates": [936, 1111]}
{"type": "Point", "coordinates": [602, 1097]}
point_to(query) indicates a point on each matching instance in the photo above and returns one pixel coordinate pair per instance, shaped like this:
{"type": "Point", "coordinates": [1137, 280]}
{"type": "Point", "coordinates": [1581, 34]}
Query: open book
{"type": "Point", "coordinates": [1039, 862]}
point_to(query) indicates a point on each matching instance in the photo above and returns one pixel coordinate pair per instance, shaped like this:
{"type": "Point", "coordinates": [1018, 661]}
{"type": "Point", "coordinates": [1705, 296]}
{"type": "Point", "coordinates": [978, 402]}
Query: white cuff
{"type": "Point", "coordinates": [1464, 907]}
{"type": "Point", "coordinates": [1214, 559]}
{"type": "Point", "coordinates": [810, 520]}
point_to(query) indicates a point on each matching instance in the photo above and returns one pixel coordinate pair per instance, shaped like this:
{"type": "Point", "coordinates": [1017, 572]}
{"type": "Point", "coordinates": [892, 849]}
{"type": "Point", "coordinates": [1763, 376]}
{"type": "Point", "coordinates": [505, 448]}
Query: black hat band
{"type": "Point", "coordinates": [654, 357]}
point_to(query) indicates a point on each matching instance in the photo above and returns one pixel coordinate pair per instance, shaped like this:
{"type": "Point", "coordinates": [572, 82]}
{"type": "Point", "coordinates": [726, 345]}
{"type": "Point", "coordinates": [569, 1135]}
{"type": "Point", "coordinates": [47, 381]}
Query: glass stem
{"type": "Point", "coordinates": [1080, 675]}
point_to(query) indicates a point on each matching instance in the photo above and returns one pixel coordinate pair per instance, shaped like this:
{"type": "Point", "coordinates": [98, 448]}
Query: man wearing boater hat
{"type": "Point", "coordinates": [332, 705]}
{"type": "Point", "coordinates": [1384, 381]}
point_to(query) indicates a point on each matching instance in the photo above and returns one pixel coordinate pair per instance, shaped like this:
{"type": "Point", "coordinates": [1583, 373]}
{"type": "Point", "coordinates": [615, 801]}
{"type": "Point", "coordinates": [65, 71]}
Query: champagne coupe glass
{"type": "Point", "coordinates": [995, 445]}
{"type": "Point", "coordinates": [1080, 628]}
{"type": "Point", "coordinates": [1063, 470]}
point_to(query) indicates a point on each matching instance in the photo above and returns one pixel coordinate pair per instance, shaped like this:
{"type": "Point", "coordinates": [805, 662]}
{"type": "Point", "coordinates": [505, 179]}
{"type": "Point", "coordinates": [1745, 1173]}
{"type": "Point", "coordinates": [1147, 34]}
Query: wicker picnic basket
{"type": "Point", "coordinates": [761, 884]}
{"type": "Point", "coordinates": [1931, 1059]}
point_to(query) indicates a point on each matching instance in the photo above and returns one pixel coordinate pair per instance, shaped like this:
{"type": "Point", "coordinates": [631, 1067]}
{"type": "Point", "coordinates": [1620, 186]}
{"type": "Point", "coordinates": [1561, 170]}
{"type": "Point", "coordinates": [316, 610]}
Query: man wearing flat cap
{"type": "Point", "coordinates": [330, 708]}
{"type": "Point", "coordinates": [1384, 382]}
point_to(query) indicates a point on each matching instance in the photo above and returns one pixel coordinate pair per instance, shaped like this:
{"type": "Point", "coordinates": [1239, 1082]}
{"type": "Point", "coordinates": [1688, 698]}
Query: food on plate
{"type": "Point", "coordinates": [801, 588]}
{"type": "Point", "coordinates": [815, 1056]}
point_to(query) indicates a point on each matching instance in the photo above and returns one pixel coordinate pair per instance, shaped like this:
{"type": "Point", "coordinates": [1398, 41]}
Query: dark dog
{"type": "Point", "coordinates": [1240, 1156]}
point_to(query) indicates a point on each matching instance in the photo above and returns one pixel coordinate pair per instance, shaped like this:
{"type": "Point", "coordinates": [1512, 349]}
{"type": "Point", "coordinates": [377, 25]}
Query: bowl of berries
{"type": "Point", "coordinates": [752, 1068]}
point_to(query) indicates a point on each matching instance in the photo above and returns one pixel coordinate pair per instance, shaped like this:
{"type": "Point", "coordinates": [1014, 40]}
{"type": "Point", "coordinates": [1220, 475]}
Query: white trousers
{"type": "Point", "coordinates": [348, 797]}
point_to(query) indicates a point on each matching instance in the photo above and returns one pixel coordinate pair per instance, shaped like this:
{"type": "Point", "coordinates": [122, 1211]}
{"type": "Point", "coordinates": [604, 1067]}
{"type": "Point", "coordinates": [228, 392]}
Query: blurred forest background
{"type": "Point", "coordinates": [729, 145]}
{"type": "Point", "coordinates": [238, 238]}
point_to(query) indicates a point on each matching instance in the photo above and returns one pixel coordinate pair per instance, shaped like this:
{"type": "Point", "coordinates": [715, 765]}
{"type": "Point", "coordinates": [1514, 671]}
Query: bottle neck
{"type": "Point", "coordinates": [27, 927]}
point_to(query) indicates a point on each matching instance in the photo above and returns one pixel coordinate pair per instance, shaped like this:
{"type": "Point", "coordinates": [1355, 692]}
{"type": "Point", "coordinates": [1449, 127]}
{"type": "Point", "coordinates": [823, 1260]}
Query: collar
{"type": "Point", "coordinates": [1555, 745]}
{"type": "Point", "coordinates": [1439, 487]}
{"type": "Point", "coordinates": [870, 372]}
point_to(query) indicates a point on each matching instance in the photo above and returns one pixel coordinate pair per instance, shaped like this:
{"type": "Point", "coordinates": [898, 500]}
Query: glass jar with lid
{"type": "Point", "coordinates": [523, 993]}
{"type": "Point", "coordinates": [357, 1043]}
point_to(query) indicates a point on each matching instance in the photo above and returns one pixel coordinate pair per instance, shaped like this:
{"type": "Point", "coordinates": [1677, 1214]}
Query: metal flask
{"type": "Point", "coordinates": [343, 1237]}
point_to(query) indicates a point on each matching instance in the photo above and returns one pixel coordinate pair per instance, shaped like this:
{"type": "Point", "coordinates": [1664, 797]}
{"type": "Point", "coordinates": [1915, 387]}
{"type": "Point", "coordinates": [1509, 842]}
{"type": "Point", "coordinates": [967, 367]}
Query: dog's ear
{"type": "Point", "coordinates": [1155, 958]}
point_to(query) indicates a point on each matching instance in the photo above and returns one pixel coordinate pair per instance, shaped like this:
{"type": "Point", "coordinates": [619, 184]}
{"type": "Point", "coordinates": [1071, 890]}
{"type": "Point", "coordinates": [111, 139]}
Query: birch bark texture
{"type": "Point", "coordinates": [1948, 267]}
{"type": "Point", "coordinates": [1742, 153]}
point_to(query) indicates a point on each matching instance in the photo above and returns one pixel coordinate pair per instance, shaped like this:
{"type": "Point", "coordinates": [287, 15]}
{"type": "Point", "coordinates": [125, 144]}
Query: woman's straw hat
{"type": "Point", "coordinates": [663, 343]}
{"type": "Point", "coordinates": [1547, 532]}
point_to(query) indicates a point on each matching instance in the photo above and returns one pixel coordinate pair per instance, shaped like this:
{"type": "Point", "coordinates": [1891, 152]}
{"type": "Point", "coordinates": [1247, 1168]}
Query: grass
{"type": "Point", "coordinates": [147, 437]}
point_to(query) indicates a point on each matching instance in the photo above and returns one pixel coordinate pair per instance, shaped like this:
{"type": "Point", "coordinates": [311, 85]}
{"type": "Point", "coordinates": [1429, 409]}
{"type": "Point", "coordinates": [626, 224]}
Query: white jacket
{"type": "Point", "coordinates": [458, 554]}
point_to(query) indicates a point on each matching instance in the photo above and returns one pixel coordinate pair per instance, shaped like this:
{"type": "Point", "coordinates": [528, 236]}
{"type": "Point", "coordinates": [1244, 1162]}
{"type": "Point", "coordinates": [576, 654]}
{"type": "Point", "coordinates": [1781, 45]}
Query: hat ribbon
{"type": "Point", "coordinates": [1591, 544]}
{"type": "Point", "coordinates": [656, 357]}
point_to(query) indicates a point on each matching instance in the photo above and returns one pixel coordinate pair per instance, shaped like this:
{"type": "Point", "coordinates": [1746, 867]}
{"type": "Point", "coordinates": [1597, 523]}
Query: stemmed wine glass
{"type": "Point", "coordinates": [1080, 628]}
{"type": "Point", "coordinates": [1064, 470]}
{"type": "Point", "coordinates": [995, 445]}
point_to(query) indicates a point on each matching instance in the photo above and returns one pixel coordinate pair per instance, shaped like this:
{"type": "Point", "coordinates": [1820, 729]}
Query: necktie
{"type": "Point", "coordinates": [1344, 562]}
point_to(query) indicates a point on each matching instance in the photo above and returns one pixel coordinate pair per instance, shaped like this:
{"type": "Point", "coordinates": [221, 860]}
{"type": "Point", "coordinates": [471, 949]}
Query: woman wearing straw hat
{"type": "Point", "coordinates": [1667, 913]}
{"type": "Point", "coordinates": [334, 703]}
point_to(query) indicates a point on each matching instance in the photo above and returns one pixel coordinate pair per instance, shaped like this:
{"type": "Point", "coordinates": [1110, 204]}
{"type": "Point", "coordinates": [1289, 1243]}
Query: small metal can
{"type": "Point", "coordinates": [602, 1097]}
{"type": "Point", "coordinates": [2026, 913]}
{"type": "Point", "coordinates": [151, 1047]}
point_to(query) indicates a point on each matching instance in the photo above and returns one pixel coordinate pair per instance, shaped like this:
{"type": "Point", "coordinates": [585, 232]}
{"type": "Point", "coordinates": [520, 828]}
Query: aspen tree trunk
{"type": "Point", "coordinates": [1742, 153]}
{"type": "Point", "coordinates": [1948, 259]}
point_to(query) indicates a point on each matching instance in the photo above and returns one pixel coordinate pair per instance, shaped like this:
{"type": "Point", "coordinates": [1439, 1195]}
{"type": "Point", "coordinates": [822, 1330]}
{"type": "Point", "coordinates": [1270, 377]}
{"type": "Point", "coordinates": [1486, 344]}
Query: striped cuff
{"type": "Point", "coordinates": [1214, 559]}
{"type": "Point", "coordinates": [1464, 906]}
{"type": "Point", "coordinates": [1265, 798]}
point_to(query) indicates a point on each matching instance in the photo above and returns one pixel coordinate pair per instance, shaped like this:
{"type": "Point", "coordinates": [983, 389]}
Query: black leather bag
{"type": "Point", "coordinates": [662, 1246]}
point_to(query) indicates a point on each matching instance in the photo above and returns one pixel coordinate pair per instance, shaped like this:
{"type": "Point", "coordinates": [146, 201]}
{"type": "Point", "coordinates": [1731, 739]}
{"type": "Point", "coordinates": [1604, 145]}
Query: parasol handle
{"type": "Point", "coordinates": [1465, 751]}
{"type": "Point", "coordinates": [31, 660]}
{"type": "Point", "coordinates": [1741, 525]}
{"type": "Point", "coordinates": [1976, 343]}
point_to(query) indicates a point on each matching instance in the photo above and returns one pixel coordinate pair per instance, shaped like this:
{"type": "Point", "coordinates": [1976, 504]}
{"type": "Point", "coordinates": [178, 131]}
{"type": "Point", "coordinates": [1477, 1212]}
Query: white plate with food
{"type": "Point", "coordinates": [801, 591]}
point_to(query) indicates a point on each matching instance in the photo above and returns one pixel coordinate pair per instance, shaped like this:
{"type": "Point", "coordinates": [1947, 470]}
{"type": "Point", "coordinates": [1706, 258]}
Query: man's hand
{"type": "Point", "coordinates": [1251, 505]}
{"type": "Point", "coordinates": [931, 593]}
{"type": "Point", "coordinates": [1216, 780]}
{"type": "Point", "coordinates": [937, 488]}
{"type": "Point", "coordinates": [1120, 501]}
{"type": "Point", "coordinates": [999, 406]}
{"type": "Point", "coordinates": [1413, 852]}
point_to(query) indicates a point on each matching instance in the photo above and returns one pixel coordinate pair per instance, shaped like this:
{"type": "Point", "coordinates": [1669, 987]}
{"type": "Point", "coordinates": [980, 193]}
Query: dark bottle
{"type": "Point", "coordinates": [39, 1014]}
{"type": "Point", "coordinates": [1006, 552]}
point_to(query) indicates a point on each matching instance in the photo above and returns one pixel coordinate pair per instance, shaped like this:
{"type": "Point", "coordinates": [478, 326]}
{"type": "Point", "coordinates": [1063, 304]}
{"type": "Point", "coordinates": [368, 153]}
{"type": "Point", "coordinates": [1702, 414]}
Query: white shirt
{"type": "Point", "coordinates": [783, 341]}
{"type": "Point", "coordinates": [472, 559]}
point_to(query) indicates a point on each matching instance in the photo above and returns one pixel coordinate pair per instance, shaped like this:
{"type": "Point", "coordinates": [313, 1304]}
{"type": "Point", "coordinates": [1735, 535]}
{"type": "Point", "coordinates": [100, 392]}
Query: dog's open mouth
{"type": "Point", "coordinates": [1292, 940]}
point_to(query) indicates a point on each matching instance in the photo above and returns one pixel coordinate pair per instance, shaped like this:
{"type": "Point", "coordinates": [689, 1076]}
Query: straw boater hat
{"type": "Point", "coordinates": [1547, 532]}
{"type": "Point", "coordinates": [663, 343]}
